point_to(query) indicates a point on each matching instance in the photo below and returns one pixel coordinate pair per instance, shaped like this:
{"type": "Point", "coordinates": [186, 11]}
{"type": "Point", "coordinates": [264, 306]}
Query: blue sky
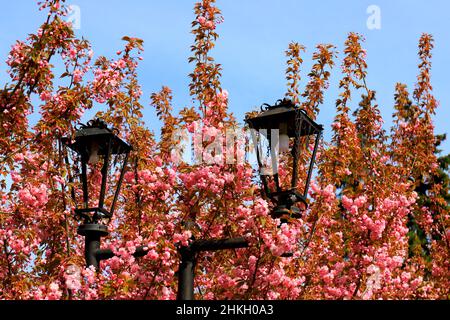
{"type": "Point", "coordinates": [252, 42]}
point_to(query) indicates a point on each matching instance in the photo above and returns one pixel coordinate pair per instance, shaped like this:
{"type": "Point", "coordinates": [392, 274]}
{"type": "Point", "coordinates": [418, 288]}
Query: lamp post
{"type": "Point", "coordinates": [97, 154]}
{"type": "Point", "coordinates": [282, 131]}
{"type": "Point", "coordinates": [285, 137]}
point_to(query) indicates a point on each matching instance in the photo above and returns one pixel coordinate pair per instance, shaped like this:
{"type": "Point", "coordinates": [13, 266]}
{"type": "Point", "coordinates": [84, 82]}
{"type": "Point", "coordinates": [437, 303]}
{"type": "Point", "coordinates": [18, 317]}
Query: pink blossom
{"type": "Point", "coordinates": [323, 271]}
{"type": "Point", "coordinates": [201, 20]}
{"type": "Point", "coordinates": [152, 255]}
{"type": "Point", "coordinates": [73, 282]}
{"type": "Point", "coordinates": [347, 202]}
{"type": "Point", "coordinates": [55, 293]}
{"type": "Point", "coordinates": [416, 282]}
{"type": "Point", "coordinates": [328, 192]}
{"type": "Point", "coordinates": [26, 197]}
{"type": "Point", "coordinates": [121, 63]}
{"type": "Point", "coordinates": [398, 261]}
{"type": "Point", "coordinates": [360, 201]}
{"type": "Point", "coordinates": [77, 76]}
{"type": "Point", "coordinates": [210, 25]}
{"type": "Point", "coordinates": [223, 95]}
{"type": "Point", "coordinates": [336, 125]}
{"type": "Point", "coordinates": [183, 238]}
{"type": "Point", "coordinates": [46, 96]}
{"type": "Point", "coordinates": [16, 177]}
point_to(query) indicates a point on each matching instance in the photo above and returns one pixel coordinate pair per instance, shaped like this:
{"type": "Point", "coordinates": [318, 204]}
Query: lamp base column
{"type": "Point", "coordinates": [186, 274]}
{"type": "Point", "coordinates": [92, 234]}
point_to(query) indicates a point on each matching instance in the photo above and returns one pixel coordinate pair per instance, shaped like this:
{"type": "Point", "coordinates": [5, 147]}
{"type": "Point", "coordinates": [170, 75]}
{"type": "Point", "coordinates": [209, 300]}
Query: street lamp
{"type": "Point", "coordinates": [286, 140]}
{"type": "Point", "coordinates": [98, 155]}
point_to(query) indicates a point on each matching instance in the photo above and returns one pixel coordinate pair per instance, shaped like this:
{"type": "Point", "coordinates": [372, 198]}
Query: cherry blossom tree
{"type": "Point", "coordinates": [377, 225]}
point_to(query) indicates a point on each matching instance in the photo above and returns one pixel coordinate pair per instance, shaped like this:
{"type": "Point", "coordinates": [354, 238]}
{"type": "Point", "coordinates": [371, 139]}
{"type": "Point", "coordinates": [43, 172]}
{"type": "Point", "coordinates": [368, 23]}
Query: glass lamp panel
{"type": "Point", "coordinates": [273, 161]}
{"type": "Point", "coordinates": [100, 178]}
{"type": "Point", "coordinates": [96, 161]}
{"type": "Point", "coordinates": [307, 142]}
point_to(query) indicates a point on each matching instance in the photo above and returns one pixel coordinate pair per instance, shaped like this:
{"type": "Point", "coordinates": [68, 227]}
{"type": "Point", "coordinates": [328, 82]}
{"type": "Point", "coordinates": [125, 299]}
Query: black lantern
{"type": "Point", "coordinates": [98, 157]}
{"type": "Point", "coordinates": [286, 140]}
